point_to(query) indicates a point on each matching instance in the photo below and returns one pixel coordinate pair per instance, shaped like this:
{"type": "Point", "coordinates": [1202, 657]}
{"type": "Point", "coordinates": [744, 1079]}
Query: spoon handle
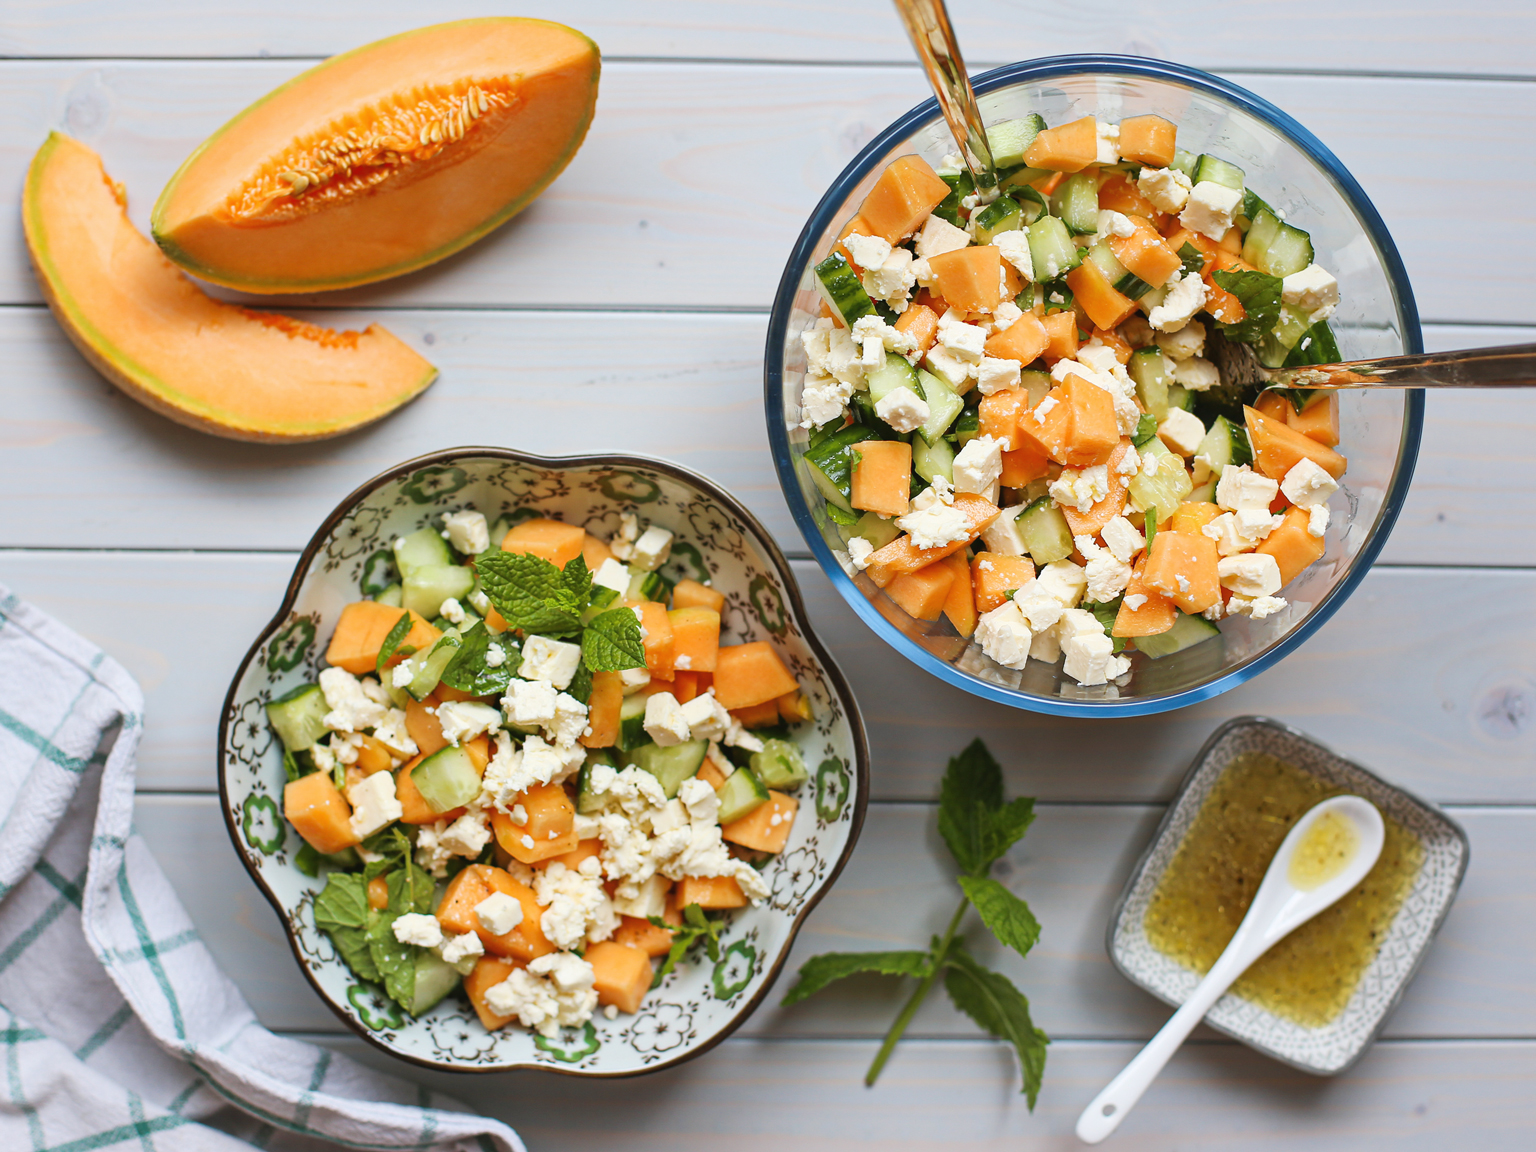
{"type": "Point", "coordinates": [1512, 366]}
{"type": "Point", "coordinates": [932, 36]}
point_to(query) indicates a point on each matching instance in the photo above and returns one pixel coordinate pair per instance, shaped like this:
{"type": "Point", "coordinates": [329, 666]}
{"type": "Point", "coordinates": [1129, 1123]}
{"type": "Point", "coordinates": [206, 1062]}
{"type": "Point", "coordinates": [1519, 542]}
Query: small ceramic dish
{"type": "Point", "coordinates": [1336, 1046]}
{"type": "Point", "coordinates": [716, 539]}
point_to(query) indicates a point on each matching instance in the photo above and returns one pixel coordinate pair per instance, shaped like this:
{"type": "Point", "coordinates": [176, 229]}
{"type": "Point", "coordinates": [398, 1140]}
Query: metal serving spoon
{"type": "Point", "coordinates": [1286, 900]}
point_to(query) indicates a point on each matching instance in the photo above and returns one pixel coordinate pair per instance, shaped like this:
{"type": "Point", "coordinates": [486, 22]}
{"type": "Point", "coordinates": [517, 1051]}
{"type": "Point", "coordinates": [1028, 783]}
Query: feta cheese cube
{"type": "Point", "coordinates": [1041, 610]}
{"type": "Point", "coordinates": [994, 375]}
{"type": "Point", "coordinates": [569, 721]}
{"type": "Point", "coordinates": [1107, 575]}
{"type": "Point", "coordinates": [1308, 484]}
{"type": "Point", "coordinates": [817, 343]}
{"type": "Point", "coordinates": [462, 947]}
{"type": "Point", "coordinates": [467, 532]}
{"type": "Point", "coordinates": [939, 236]}
{"type": "Point", "coordinates": [1122, 539]}
{"type": "Point", "coordinates": [1077, 622]}
{"type": "Point", "coordinates": [1181, 431]}
{"type": "Point", "coordinates": [1317, 520]}
{"type": "Point", "coordinates": [704, 715]}
{"type": "Point", "coordinates": [1210, 209]}
{"type": "Point", "coordinates": [1186, 296]}
{"type": "Point", "coordinates": [1116, 224]}
{"type": "Point", "coordinates": [466, 836]}
{"type": "Point", "coordinates": [649, 900]}
{"type": "Point", "coordinates": [823, 400]}
{"type": "Point", "coordinates": [1014, 247]}
{"type": "Point", "coordinates": [374, 804]}
{"type": "Point", "coordinates": [903, 409]}
{"type": "Point", "coordinates": [552, 661]}
{"type": "Point", "coordinates": [612, 574]}
{"type": "Point", "coordinates": [1089, 656]}
{"type": "Point", "coordinates": [935, 526]}
{"type": "Point", "coordinates": [1108, 136]}
{"type": "Point", "coordinates": [1196, 373]}
{"type": "Point", "coordinates": [1006, 315]}
{"type": "Point", "coordinates": [979, 464]}
{"type": "Point", "coordinates": [965, 341]}
{"type": "Point", "coordinates": [859, 552]}
{"type": "Point", "coordinates": [529, 703]}
{"type": "Point", "coordinates": [499, 913]}
{"type": "Point", "coordinates": [1186, 342]}
{"type": "Point", "coordinates": [1254, 574]}
{"type": "Point", "coordinates": [1002, 535]}
{"type": "Point", "coordinates": [664, 721]}
{"type": "Point", "coordinates": [463, 720]}
{"type": "Point", "coordinates": [1064, 581]}
{"type": "Point", "coordinates": [634, 679]}
{"type": "Point", "coordinates": [1314, 290]}
{"type": "Point", "coordinates": [1004, 635]}
{"type": "Point", "coordinates": [867, 251]}
{"type": "Point", "coordinates": [892, 337]}
{"type": "Point", "coordinates": [1045, 647]}
{"type": "Point", "coordinates": [652, 549]}
{"type": "Point", "coordinates": [1167, 188]}
{"type": "Point", "coordinates": [942, 362]}
{"type": "Point", "coordinates": [393, 734]}
{"type": "Point", "coordinates": [1229, 538]}
{"type": "Point", "coordinates": [1241, 487]}
{"type": "Point", "coordinates": [418, 928]}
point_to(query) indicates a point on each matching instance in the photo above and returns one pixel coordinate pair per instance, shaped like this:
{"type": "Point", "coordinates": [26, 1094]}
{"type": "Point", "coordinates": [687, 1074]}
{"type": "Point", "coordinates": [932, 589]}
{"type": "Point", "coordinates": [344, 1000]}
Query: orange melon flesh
{"type": "Point", "coordinates": [383, 159]}
{"type": "Point", "coordinates": [206, 364]}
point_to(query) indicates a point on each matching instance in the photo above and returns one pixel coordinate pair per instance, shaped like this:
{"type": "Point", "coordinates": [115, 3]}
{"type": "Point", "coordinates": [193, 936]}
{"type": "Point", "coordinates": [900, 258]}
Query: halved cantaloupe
{"type": "Point", "coordinates": [383, 159]}
{"type": "Point", "coordinates": [209, 365]}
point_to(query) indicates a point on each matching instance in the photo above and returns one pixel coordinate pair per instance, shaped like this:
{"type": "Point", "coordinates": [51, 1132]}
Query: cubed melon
{"type": "Point", "coordinates": [764, 715]}
{"type": "Point", "coordinates": [1145, 254]}
{"type": "Point", "coordinates": [603, 710]}
{"type": "Point", "coordinates": [488, 972]}
{"type": "Point", "coordinates": [1149, 140]}
{"type": "Point", "coordinates": [1193, 515]}
{"type": "Point", "coordinates": [994, 575]}
{"type": "Point", "coordinates": [710, 892]}
{"type": "Point", "coordinates": [1277, 448]}
{"type": "Point", "coordinates": [711, 774]}
{"type": "Point", "coordinates": [657, 626]}
{"type": "Point", "coordinates": [921, 323]}
{"type": "Point", "coordinates": [921, 594]}
{"type": "Point", "coordinates": [1024, 464]}
{"type": "Point", "coordinates": [362, 629]}
{"type": "Point", "coordinates": [997, 416]}
{"type": "Point", "coordinates": [882, 476]}
{"type": "Point", "coordinates": [1091, 522]}
{"type": "Point", "coordinates": [748, 674]}
{"type": "Point", "coordinates": [969, 277]}
{"type": "Point", "coordinates": [1097, 296]}
{"type": "Point", "coordinates": [1061, 336]}
{"type": "Point", "coordinates": [422, 724]}
{"type": "Point", "coordinates": [766, 827]}
{"type": "Point", "coordinates": [621, 975]}
{"type": "Point", "coordinates": [1119, 193]}
{"type": "Point", "coordinates": [1078, 430]}
{"type": "Point", "coordinates": [901, 555]}
{"type": "Point", "coordinates": [902, 197]}
{"type": "Point", "coordinates": [1024, 340]}
{"type": "Point", "coordinates": [373, 756]}
{"type": "Point", "coordinates": [960, 602]}
{"type": "Point", "coordinates": [1069, 148]}
{"type": "Point", "coordinates": [550, 828]}
{"type": "Point", "coordinates": [594, 551]}
{"type": "Point", "coordinates": [692, 594]}
{"type": "Point", "coordinates": [1274, 405]}
{"type": "Point", "coordinates": [319, 812]}
{"type": "Point", "coordinates": [552, 540]}
{"type": "Point", "coordinates": [695, 638]}
{"type": "Point", "coordinates": [686, 685]}
{"type": "Point", "coordinates": [1292, 546]}
{"type": "Point", "coordinates": [1154, 616]}
{"type": "Point", "coordinates": [526, 941]}
{"type": "Point", "coordinates": [642, 934]}
{"type": "Point", "coordinates": [1183, 568]}
{"type": "Point", "coordinates": [1319, 420]}
{"type": "Point", "coordinates": [584, 850]}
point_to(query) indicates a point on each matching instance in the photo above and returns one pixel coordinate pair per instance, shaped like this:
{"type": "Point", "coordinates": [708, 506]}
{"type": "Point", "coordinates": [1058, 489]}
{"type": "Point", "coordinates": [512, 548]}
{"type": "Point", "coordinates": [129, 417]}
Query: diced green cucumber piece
{"type": "Point", "coordinates": [1167, 487]}
{"type": "Point", "coordinates": [1015, 180]}
{"type": "Point", "coordinates": [1076, 203]}
{"type": "Point", "coordinates": [391, 596]}
{"type": "Point", "coordinates": [967, 426]}
{"type": "Point", "coordinates": [1151, 300]}
{"type": "Point", "coordinates": [602, 600]}
{"type": "Point", "coordinates": [425, 588]}
{"type": "Point", "coordinates": [427, 669]}
{"type": "Point", "coordinates": [1224, 444]}
{"type": "Point", "coordinates": [936, 459]}
{"type": "Point", "coordinates": [1186, 632]}
{"type": "Point", "coordinates": [1275, 247]}
{"type": "Point", "coordinates": [1251, 206]}
{"type": "Point", "coordinates": [1031, 204]}
{"type": "Point", "coordinates": [1203, 493]}
{"type": "Point", "coordinates": [1051, 250]}
{"type": "Point", "coordinates": [840, 288]}
{"type": "Point", "coordinates": [840, 517]}
{"type": "Point", "coordinates": [874, 528]}
{"type": "Point", "coordinates": [1036, 385]}
{"type": "Point", "coordinates": [447, 779]}
{"type": "Point", "coordinates": [649, 586]}
{"type": "Point", "coordinates": [944, 404]}
{"type": "Point", "coordinates": [1316, 346]}
{"type": "Point", "coordinates": [671, 766]}
{"type": "Point", "coordinates": [893, 374]}
{"type": "Point", "coordinates": [1217, 171]}
{"type": "Point", "coordinates": [298, 717]}
{"type": "Point", "coordinates": [780, 765]}
{"type": "Point", "coordinates": [741, 793]}
{"type": "Point", "coordinates": [1010, 139]}
{"type": "Point", "coordinates": [632, 732]}
{"type": "Point", "coordinates": [831, 466]}
{"type": "Point", "coordinates": [1184, 162]}
{"type": "Point", "coordinates": [1275, 347]}
{"type": "Point", "coordinates": [587, 801]}
{"type": "Point", "coordinates": [1181, 397]}
{"type": "Point", "coordinates": [960, 186]}
{"type": "Point", "coordinates": [423, 548]}
{"type": "Point", "coordinates": [1126, 283]}
{"type": "Point", "coordinates": [435, 978]}
{"type": "Point", "coordinates": [1149, 370]}
{"type": "Point", "coordinates": [1002, 215]}
{"type": "Point", "coordinates": [1043, 529]}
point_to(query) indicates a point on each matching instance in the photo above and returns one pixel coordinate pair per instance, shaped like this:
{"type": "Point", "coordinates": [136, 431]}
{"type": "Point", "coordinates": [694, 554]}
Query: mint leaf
{"type": "Point", "coordinates": [530, 593]}
{"type": "Point", "coordinates": [991, 1000]}
{"type": "Point", "coordinates": [307, 860]}
{"type": "Point", "coordinates": [395, 961]}
{"type": "Point", "coordinates": [1260, 296]}
{"type": "Point", "coordinates": [695, 926]}
{"type": "Point", "coordinates": [1106, 612]}
{"type": "Point", "coordinates": [292, 770]}
{"type": "Point", "coordinates": [819, 971]}
{"type": "Point", "coordinates": [468, 670]}
{"type": "Point", "coordinates": [612, 643]}
{"type": "Point", "coordinates": [1146, 428]}
{"type": "Point", "coordinates": [351, 945]}
{"type": "Point", "coordinates": [1193, 258]}
{"type": "Point", "coordinates": [1005, 914]}
{"type": "Point", "coordinates": [392, 641]}
{"type": "Point", "coordinates": [343, 902]}
{"type": "Point", "coordinates": [578, 581]}
{"type": "Point", "coordinates": [580, 687]}
{"type": "Point", "coordinates": [392, 848]}
{"type": "Point", "coordinates": [973, 819]}
{"type": "Point", "coordinates": [410, 889]}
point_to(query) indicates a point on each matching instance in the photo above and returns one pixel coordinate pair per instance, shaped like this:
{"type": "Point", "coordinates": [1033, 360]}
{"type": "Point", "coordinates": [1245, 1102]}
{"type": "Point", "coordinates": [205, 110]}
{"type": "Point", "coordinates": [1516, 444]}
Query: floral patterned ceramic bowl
{"type": "Point", "coordinates": [717, 539]}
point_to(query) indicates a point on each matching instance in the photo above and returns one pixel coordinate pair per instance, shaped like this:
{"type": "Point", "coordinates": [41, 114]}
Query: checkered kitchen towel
{"type": "Point", "coordinates": [117, 1030]}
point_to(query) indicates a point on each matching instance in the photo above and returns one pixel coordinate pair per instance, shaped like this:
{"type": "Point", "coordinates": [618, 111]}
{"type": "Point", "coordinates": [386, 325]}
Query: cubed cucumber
{"type": "Point", "coordinates": [967, 426]}
{"type": "Point", "coordinates": [936, 459]}
{"type": "Point", "coordinates": [671, 766]}
{"type": "Point", "coordinates": [780, 765]}
{"type": "Point", "coordinates": [649, 586]}
{"type": "Point", "coordinates": [1225, 444]}
{"type": "Point", "coordinates": [1184, 162]}
{"type": "Point", "coordinates": [1203, 493]}
{"type": "Point", "coordinates": [446, 779]}
{"type": "Point", "coordinates": [298, 717]}
{"type": "Point", "coordinates": [435, 978]}
{"type": "Point", "coordinates": [587, 802]}
{"type": "Point", "coordinates": [874, 528]}
{"type": "Point", "coordinates": [1275, 347]}
{"type": "Point", "coordinates": [602, 600]}
{"type": "Point", "coordinates": [840, 288]}
{"type": "Point", "coordinates": [1002, 215]}
{"type": "Point", "coordinates": [1275, 247]}
{"type": "Point", "coordinates": [1149, 370]}
{"type": "Point", "coordinates": [1036, 385]}
{"type": "Point", "coordinates": [1181, 397]}
{"type": "Point", "coordinates": [1010, 139]}
{"type": "Point", "coordinates": [1217, 171]}
{"type": "Point", "coordinates": [944, 404]}
{"type": "Point", "coordinates": [426, 587]}
{"type": "Point", "coordinates": [1186, 632]}
{"type": "Point", "coordinates": [1128, 284]}
{"type": "Point", "coordinates": [1076, 203]}
{"type": "Point", "coordinates": [424, 548]}
{"type": "Point", "coordinates": [1167, 487]}
{"type": "Point", "coordinates": [428, 668]}
{"type": "Point", "coordinates": [1043, 529]}
{"type": "Point", "coordinates": [632, 723]}
{"type": "Point", "coordinates": [391, 595]}
{"type": "Point", "coordinates": [741, 793]}
{"type": "Point", "coordinates": [1051, 250]}
{"type": "Point", "coordinates": [893, 374]}
{"type": "Point", "coordinates": [961, 185]}
{"type": "Point", "coordinates": [831, 466]}
{"type": "Point", "coordinates": [1317, 346]}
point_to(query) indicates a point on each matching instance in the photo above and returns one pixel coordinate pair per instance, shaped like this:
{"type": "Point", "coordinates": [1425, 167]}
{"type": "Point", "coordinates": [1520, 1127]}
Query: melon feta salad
{"type": "Point", "coordinates": [531, 769]}
{"type": "Point", "coordinates": [1046, 418]}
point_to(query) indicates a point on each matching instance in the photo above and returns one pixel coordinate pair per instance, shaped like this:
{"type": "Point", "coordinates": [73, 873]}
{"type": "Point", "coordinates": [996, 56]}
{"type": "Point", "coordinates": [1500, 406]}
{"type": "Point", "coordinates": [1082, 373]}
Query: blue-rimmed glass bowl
{"type": "Point", "coordinates": [1291, 169]}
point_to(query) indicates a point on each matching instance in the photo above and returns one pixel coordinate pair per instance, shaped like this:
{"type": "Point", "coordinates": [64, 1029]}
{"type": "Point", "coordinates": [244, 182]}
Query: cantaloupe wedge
{"type": "Point", "coordinates": [642, 934]}
{"type": "Point", "coordinates": [1091, 522]}
{"type": "Point", "coordinates": [764, 715]}
{"type": "Point", "coordinates": [212, 366]}
{"type": "Point", "coordinates": [695, 639]}
{"type": "Point", "coordinates": [1023, 340]}
{"type": "Point", "coordinates": [882, 476]}
{"type": "Point", "coordinates": [319, 812]}
{"type": "Point", "coordinates": [1068, 148]}
{"type": "Point", "coordinates": [1097, 297]}
{"type": "Point", "coordinates": [998, 415]}
{"type": "Point", "coordinates": [1319, 420]}
{"type": "Point", "coordinates": [748, 674]}
{"type": "Point", "coordinates": [1061, 335]}
{"type": "Point", "coordinates": [660, 656]}
{"type": "Point", "coordinates": [922, 324]}
{"type": "Point", "coordinates": [383, 159]}
{"type": "Point", "coordinates": [960, 601]}
{"type": "Point", "coordinates": [710, 892]}
{"type": "Point", "coordinates": [488, 971]}
{"type": "Point", "coordinates": [1153, 617]}
{"type": "Point", "coordinates": [1023, 464]}
{"type": "Point", "coordinates": [1193, 515]}
{"type": "Point", "coordinates": [968, 277]}
{"type": "Point", "coordinates": [1292, 546]}
{"type": "Point", "coordinates": [994, 575]}
{"type": "Point", "coordinates": [766, 827]}
{"type": "Point", "coordinates": [422, 724]}
{"type": "Point", "coordinates": [362, 629]}
{"type": "Point", "coordinates": [549, 830]}
{"type": "Point", "coordinates": [594, 552]}
{"type": "Point", "coordinates": [902, 197]}
{"type": "Point", "coordinates": [901, 555]}
{"type": "Point", "coordinates": [692, 594]}
{"type": "Point", "coordinates": [922, 593]}
{"type": "Point", "coordinates": [1183, 568]}
{"type": "Point", "coordinates": [552, 540]}
{"type": "Point", "coordinates": [1145, 254]}
{"type": "Point", "coordinates": [1277, 448]}
{"type": "Point", "coordinates": [603, 710]}
{"type": "Point", "coordinates": [1149, 140]}
{"type": "Point", "coordinates": [621, 974]}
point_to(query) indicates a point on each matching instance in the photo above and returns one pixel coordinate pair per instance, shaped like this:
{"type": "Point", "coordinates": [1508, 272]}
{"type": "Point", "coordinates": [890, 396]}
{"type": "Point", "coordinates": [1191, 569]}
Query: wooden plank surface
{"type": "Point", "coordinates": [1461, 729]}
{"type": "Point", "coordinates": [686, 386]}
{"type": "Point", "coordinates": [1420, 36]}
{"type": "Point", "coordinates": [898, 889]}
{"type": "Point", "coordinates": [696, 179]}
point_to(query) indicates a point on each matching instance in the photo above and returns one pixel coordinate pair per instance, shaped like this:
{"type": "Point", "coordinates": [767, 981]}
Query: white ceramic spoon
{"type": "Point", "coordinates": [1279, 907]}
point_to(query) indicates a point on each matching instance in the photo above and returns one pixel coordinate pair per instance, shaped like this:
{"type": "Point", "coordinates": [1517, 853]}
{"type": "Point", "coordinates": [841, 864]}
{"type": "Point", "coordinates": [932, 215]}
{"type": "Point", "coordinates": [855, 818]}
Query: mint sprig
{"type": "Point", "coordinates": [695, 926]}
{"type": "Point", "coordinates": [469, 672]}
{"type": "Point", "coordinates": [531, 593]}
{"type": "Point", "coordinates": [1259, 294]}
{"type": "Point", "coordinates": [612, 642]}
{"type": "Point", "coordinates": [979, 828]}
{"type": "Point", "coordinates": [392, 641]}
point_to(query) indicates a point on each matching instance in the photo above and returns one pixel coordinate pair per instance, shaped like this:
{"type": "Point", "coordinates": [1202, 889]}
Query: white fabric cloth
{"type": "Point", "coordinates": [117, 1030]}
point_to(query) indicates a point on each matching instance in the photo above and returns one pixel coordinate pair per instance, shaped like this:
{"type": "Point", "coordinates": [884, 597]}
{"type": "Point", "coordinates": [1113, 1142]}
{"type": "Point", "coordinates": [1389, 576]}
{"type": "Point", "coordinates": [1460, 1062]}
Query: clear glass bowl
{"type": "Point", "coordinates": [1291, 169]}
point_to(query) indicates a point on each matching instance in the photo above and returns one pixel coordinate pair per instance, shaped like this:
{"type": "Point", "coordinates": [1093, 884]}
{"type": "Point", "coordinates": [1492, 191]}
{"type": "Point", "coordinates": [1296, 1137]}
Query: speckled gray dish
{"type": "Point", "coordinates": [717, 539]}
{"type": "Point", "coordinates": [1334, 1047]}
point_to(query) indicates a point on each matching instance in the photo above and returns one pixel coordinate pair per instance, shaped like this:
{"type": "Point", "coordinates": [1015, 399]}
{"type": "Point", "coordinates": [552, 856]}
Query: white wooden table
{"type": "Point", "coordinates": [605, 317]}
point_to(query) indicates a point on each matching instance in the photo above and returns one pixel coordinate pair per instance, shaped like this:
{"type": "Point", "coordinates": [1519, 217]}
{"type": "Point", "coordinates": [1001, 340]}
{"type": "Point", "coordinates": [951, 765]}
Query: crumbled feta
{"type": "Point", "coordinates": [1308, 484]}
{"type": "Point", "coordinates": [867, 251]}
{"type": "Point", "coordinates": [903, 409]}
{"type": "Point", "coordinates": [393, 734]}
{"type": "Point", "coordinates": [467, 532]}
{"type": "Point", "coordinates": [893, 338]}
{"type": "Point", "coordinates": [978, 465]}
{"type": "Point", "coordinates": [1210, 209]}
{"type": "Point", "coordinates": [480, 602]}
{"type": "Point", "coordinates": [936, 526]}
{"type": "Point", "coordinates": [823, 400]}
{"type": "Point", "coordinates": [994, 375]}
{"type": "Point", "coordinates": [1181, 431]}
{"type": "Point", "coordinates": [1122, 539]}
{"type": "Point", "coordinates": [1186, 296]}
{"type": "Point", "coordinates": [499, 913]}
{"type": "Point", "coordinates": [552, 661]}
{"type": "Point", "coordinates": [1167, 188]}
{"type": "Point", "coordinates": [939, 236]}
{"type": "Point", "coordinates": [418, 928]}
{"type": "Point", "coordinates": [1005, 635]}
{"type": "Point", "coordinates": [462, 947]}
{"type": "Point", "coordinates": [651, 550]}
{"type": "Point", "coordinates": [463, 720]}
{"type": "Point", "coordinates": [1200, 468]}
{"type": "Point", "coordinates": [1006, 315]}
{"type": "Point", "coordinates": [1254, 574]}
{"type": "Point", "coordinates": [1233, 536]}
{"type": "Point", "coordinates": [569, 723]}
{"type": "Point", "coordinates": [664, 722]}
{"type": "Point", "coordinates": [1257, 607]}
{"type": "Point", "coordinates": [1014, 247]}
{"type": "Point", "coordinates": [1186, 342]}
{"type": "Point", "coordinates": [1136, 602]}
{"type": "Point", "coordinates": [1317, 520]}
{"type": "Point", "coordinates": [374, 804]}
{"type": "Point", "coordinates": [351, 710]}
{"type": "Point", "coordinates": [1196, 373]}
{"type": "Point", "coordinates": [345, 747]}
{"type": "Point", "coordinates": [1241, 487]}
{"type": "Point", "coordinates": [891, 281]}
{"type": "Point", "coordinates": [843, 362]}
{"type": "Point", "coordinates": [965, 341]}
{"type": "Point", "coordinates": [1045, 407]}
{"type": "Point", "coordinates": [576, 906]}
{"type": "Point", "coordinates": [859, 552]}
{"type": "Point", "coordinates": [1081, 488]}
{"type": "Point", "coordinates": [738, 737]}
{"type": "Point", "coordinates": [1107, 575]}
{"type": "Point", "coordinates": [452, 611]}
{"type": "Point", "coordinates": [466, 836]}
{"type": "Point", "coordinates": [613, 574]}
{"type": "Point", "coordinates": [1114, 224]}
{"type": "Point", "coordinates": [529, 703]}
{"type": "Point", "coordinates": [1314, 290]}
{"type": "Point", "coordinates": [565, 999]}
{"type": "Point", "coordinates": [1108, 138]}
